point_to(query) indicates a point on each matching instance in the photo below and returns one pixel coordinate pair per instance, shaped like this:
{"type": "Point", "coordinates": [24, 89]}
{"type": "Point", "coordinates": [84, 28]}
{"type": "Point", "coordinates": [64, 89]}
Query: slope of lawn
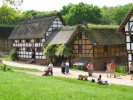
{"type": "Point", "coordinates": [21, 86]}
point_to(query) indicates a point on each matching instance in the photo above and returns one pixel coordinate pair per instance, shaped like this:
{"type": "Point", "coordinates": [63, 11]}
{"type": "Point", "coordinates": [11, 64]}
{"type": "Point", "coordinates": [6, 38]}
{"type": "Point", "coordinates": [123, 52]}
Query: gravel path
{"type": "Point", "coordinates": [123, 80]}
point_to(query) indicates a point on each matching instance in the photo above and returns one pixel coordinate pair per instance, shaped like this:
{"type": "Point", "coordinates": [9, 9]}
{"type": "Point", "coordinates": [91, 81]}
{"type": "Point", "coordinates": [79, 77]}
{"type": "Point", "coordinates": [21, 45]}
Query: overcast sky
{"type": "Point", "coordinates": [49, 5]}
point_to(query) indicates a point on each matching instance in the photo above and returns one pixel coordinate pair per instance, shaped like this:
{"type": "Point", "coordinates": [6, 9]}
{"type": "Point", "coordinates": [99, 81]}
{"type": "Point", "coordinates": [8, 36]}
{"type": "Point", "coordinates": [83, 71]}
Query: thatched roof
{"type": "Point", "coordinates": [59, 37]}
{"type": "Point", "coordinates": [97, 34]}
{"type": "Point", "coordinates": [124, 22]}
{"type": "Point", "coordinates": [35, 27]}
{"type": "Point", "coordinates": [5, 31]}
{"type": "Point", "coordinates": [105, 37]}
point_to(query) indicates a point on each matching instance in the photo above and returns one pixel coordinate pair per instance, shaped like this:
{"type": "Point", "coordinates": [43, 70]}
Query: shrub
{"type": "Point", "coordinates": [13, 55]}
{"type": "Point", "coordinates": [80, 67]}
{"type": "Point", "coordinates": [121, 69]}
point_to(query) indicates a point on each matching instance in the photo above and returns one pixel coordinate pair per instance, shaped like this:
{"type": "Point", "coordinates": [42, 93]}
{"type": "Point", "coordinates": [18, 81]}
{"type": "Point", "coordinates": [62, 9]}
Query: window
{"type": "Point", "coordinates": [80, 47]}
{"type": "Point", "coordinates": [132, 56]}
{"type": "Point", "coordinates": [80, 35]}
{"type": "Point", "coordinates": [39, 49]}
{"type": "Point", "coordinates": [27, 40]}
{"type": "Point", "coordinates": [105, 48]}
{"type": "Point", "coordinates": [38, 40]}
{"type": "Point", "coordinates": [27, 49]}
{"type": "Point", "coordinates": [20, 41]}
{"type": "Point", "coordinates": [17, 48]}
{"type": "Point", "coordinates": [131, 38]}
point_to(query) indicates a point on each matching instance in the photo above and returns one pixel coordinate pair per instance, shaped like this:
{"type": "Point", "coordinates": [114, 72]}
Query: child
{"type": "Point", "coordinates": [99, 81]}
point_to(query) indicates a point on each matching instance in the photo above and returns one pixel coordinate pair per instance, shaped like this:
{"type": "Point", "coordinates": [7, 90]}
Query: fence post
{"type": "Point", "coordinates": [4, 68]}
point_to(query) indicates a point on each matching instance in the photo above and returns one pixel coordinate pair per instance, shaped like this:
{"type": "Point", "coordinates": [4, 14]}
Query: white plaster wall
{"type": "Point", "coordinates": [131, 19]}
{"type": "Point", "coordinates": [129, 57]}
{"type": "Point", "coordinates": [131, 25]}
{"type": "Point", "coordinates": [127, 38]}
{"type": "Point", "coordinates": [126, 27]}
{"type": "Point", "coordinates": [128, 46]}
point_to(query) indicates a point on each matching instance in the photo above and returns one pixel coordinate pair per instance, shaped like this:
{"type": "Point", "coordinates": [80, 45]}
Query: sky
{"type": "Point", "coordinates": [50, 5]}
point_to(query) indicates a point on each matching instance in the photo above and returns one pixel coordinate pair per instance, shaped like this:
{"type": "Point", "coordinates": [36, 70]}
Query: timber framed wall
{"type": "Point", "coordinates": [5, 45]}
{"type": "Point", "coordinates": [24, 47]}
{"type": "Point", "coordinates": [129, 40]}
{"type": "Point", "coordinates": [82, 46]}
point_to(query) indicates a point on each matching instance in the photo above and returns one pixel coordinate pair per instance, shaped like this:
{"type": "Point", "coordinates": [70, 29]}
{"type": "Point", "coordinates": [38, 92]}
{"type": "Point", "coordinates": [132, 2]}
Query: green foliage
{"type": "Point", "coordinates": [60, 50]}
{"type": "Point", "coordinates": [12, 55]}
{"type": "Point", "coordinates": [121, 12]}
{"type": "Point", "coordinates": [80, 67]}
{"type": "Point", "coordinates": [50, 50]}
{"type": "Point", "coordinates": [115, 15]}
{"type": "Point", "coordinates": [21, 86]}
{"type": "Point", "coordinates": [30, 13]}
{"type": "Point", "coordinates": [80, 13]}
{"type": "Point", "coordinates": [8, 15]}
{"type": "Point", "coordinates": [121, 69]}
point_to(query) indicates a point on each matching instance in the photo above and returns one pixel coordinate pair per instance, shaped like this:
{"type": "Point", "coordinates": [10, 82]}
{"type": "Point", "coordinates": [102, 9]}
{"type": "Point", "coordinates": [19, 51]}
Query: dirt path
{"type": "Point", "coordinates": [123, 80]}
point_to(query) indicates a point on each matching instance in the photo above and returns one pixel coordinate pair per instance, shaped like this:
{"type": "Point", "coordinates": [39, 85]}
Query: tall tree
{"type": "Point", "coordinates": [14, 3]}
{"type": "Point", "coordinates": [121, 13]}
{"type": "Point", "coordinates": [79, 13]}
{"type": "Point", "coordinates": [8, 15]}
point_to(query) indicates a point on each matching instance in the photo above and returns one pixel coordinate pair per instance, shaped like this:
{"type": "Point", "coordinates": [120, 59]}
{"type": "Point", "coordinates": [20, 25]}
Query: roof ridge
{"type": "Point", "coordinates": [41, 16]}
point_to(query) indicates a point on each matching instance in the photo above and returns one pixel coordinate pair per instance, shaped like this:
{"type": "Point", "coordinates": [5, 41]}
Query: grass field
{"type": "Point", "coordinates": [21, 86]}
{"type": "Point", "coordinates": [22, 68]}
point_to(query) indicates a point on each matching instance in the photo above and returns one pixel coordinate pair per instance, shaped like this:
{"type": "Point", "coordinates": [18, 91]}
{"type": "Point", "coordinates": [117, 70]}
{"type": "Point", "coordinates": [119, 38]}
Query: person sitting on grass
{"type": "Point", "coordinates": [99, 81]}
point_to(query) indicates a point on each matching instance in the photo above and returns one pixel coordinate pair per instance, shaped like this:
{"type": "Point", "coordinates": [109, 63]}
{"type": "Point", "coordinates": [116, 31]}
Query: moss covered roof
{"type": "Point", "coordinates": [98, 34]}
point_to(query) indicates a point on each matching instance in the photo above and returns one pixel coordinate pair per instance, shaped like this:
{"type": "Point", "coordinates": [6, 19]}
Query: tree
{"type": "Point", "coordinates": [29, 13]}
{"type": "Point", "coordinates": [14, 3]}
{"type": "Point", "coordinates": [50, 51]}
{"type": "Point", "coordinates": [8, 15]}
{"type": "Point", "coordinates": [107, 15]}
{"type": "Point", "coordinates": [121, 13]}
{"type": "Point", "coordinates": [79, 13]}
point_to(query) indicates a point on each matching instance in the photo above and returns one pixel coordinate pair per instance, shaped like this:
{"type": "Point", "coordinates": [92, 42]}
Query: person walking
{"type": "Point", "coordinates": [67, 67]}
{"type": "Point", "coordinates": [108, 68]}
{"type": "Point", "coordinates": [51, 68]}
{"type": "Point", "coordinates": [131, 70]}
{"type": "Point", "coordinates": [112, 66]}
{"type": "Point", "coordinates": [33, 56]}
{"type": "Point", "coordinates": [63, 67]}
{"type": "Point", "coordinates": [90, 68]}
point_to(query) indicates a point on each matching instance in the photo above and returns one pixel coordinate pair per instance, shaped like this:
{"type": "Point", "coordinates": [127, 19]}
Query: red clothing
{"type": "Point", "coordinates": [112, 65]}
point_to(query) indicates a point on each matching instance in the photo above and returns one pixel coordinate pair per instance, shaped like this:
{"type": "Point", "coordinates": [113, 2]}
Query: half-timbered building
{"type": "Point", "coordinates": [29, 34]}
{"type": "Point", "coordinates": [97, 43]}
{"type": "Point", "coordinates": [126, 28]}
{"type": "Point", "coordinates": [5, 32]}
{"type": "Point", "coordinates": [90, 41]}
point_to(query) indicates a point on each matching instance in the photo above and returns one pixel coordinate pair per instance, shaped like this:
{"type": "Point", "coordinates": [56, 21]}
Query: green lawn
{"type": "Point", "coordinates": [21, 86]}
{"type": "Point", "coordinates": [22, 68]}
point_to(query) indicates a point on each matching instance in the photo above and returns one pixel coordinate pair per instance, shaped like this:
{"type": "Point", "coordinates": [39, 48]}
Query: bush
{"type": "Point", "coordinates": [13, 55]}
{"type": "Point", "coordinates": [80, 67]}
{"type": "Point", "coordinates": [121, 69]}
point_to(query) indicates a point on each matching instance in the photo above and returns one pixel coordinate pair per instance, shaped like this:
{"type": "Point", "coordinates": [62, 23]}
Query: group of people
{"type": "Point", "coordinates": [64, 68]}
{"type": "Point", "coordinates": [110, 68]}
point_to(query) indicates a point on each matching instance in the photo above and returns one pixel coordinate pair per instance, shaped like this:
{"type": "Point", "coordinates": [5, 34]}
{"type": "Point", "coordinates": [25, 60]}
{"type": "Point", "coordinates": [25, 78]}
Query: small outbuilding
{"type": "Point", "coordinates": [5, 32]}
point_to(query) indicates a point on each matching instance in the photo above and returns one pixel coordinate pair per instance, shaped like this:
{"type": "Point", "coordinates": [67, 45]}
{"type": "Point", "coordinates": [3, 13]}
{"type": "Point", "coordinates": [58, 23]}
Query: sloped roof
{"type": "Point", "coordinates": [105, 37]}
{"type": "Point", "coordinates": [98, 34]}
{"type": "Point", "coordinates": [59, 37]}
{"type": "Point", "coordinates": [5, 31]}
{"type": "Point", "coordinates": [33, 28]}
{"type": "Point", "coordinates": [124, 22]}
